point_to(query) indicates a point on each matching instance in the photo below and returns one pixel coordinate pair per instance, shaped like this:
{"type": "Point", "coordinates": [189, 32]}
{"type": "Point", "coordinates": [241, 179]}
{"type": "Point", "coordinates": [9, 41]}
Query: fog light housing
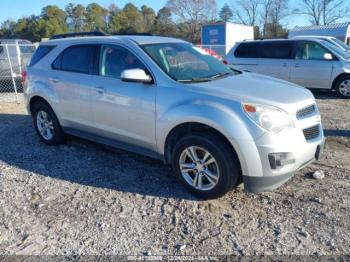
{"type": "Point", "coordinates": [279, 160]}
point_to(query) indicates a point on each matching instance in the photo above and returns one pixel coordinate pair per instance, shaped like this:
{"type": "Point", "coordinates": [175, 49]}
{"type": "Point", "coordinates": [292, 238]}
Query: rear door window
{"type": "Point", "coordinates": [78, 59]}
{"type": "Point", "coordinates": [40, 53]}
{"type": "Point", "coordinates": [277, 50]}
{"type": "Point", "coordinates": [248, 50]}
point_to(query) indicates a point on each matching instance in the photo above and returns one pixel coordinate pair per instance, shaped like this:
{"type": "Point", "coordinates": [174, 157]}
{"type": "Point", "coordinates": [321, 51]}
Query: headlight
{"type": "Point", "coordinates": [268, 117]}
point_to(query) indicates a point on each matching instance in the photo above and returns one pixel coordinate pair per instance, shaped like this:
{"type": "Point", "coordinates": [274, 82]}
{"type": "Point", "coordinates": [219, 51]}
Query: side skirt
{"type": "Point", "coordinates": [113, 143]}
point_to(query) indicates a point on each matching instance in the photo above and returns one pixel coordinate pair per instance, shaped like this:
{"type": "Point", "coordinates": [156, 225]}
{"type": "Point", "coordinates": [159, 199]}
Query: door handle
{"type": "Point", "coordinates": [100, 89]}
{"type": "Point", "coordinates": [54, 80]}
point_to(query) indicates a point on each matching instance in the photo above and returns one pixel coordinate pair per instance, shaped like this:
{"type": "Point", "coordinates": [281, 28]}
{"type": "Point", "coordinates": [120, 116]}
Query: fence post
{"type": "Point", "coordinates": [12, 74]}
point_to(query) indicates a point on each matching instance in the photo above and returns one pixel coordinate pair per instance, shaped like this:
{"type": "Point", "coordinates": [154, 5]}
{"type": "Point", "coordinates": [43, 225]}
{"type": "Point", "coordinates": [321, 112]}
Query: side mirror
{"type": "Point", "coordinates": [328, 56]}
{"type": "Point", "coordinates": [136, 75]}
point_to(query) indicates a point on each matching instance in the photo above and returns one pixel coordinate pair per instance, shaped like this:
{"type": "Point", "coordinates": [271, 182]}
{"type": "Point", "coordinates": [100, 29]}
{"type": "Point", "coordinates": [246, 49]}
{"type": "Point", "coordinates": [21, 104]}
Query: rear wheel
{"type": "Point", "coordinates": [206, 165]}
{"type": "Point", "coordinates": [47, 125]}
{"type": "Point", "coordinates": [343, 86]}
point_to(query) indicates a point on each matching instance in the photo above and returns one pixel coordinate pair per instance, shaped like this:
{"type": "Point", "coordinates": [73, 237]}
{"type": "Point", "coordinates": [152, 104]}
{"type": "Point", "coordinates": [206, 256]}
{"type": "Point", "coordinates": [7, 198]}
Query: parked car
{"type": "Point", "coordinates": [167, 99]}
{"type": "Point", "coordinates": [332, 40]}
{"type": "Point", "coordinates": [311, 63]}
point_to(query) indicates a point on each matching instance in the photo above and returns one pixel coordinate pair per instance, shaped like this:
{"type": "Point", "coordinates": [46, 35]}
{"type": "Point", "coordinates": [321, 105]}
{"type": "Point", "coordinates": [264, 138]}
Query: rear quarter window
{"type": "Point", "coordinates": [248, 50]}
{"type": "Point", "coordinates": [78, 59]}
{"type": "Point", "coordinates": [40, 53]}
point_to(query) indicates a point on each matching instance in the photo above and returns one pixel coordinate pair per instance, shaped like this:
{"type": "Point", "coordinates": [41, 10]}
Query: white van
{"type": "Point", "coordinates": [311, 63]}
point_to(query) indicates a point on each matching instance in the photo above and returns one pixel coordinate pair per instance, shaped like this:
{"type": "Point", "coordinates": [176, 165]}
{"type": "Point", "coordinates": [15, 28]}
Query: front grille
{"type": "Point", "coordinates": [312, 132]}
{"type": "Point", "coordinates": [306, 111]}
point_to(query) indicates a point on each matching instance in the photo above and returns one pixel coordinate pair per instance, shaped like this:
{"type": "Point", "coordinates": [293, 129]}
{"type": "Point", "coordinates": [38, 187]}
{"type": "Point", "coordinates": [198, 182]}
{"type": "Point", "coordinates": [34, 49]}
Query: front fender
{"type": "Point", "coordinates": [231, 122]}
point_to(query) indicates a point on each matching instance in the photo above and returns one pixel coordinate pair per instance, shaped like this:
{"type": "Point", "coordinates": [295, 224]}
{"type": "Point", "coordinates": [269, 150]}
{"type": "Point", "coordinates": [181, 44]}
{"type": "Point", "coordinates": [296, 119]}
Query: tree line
{"type": "Point", "coordinates": [178, 18]}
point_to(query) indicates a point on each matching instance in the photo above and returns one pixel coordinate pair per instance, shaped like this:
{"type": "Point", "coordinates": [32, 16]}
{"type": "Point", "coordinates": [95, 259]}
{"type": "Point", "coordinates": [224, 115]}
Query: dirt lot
{"type": "Point", "coordinates": [80, 198]}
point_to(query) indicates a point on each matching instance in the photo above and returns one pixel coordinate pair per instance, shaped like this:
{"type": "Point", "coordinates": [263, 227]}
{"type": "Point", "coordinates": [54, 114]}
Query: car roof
{"type": "Point", "coordinates": [138, 39]}
{"type": "Point", "coordinates": [283, 40]}
{"type": "Point", "coordinates": [268, 40]}
{"type": "Point", "coordinates": [313, 36]}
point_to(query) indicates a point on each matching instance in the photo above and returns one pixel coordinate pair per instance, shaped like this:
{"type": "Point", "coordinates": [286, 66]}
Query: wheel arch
{"type": "Point", "coordinates": [36, 99]}
{"type": "Point", "coordinates": [335, 81]}
{"type": "Point", "coordinates": [183, 129]}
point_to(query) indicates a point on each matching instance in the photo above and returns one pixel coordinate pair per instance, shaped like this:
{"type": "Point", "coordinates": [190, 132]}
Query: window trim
{"type": "Point", "coordinates": [92, 62]}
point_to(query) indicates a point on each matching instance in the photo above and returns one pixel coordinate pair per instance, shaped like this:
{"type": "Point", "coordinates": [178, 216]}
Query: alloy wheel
{"type": "Point", "coordinates": [199, 168]}
{"type": "Point", "coordinates": [344, 87]}
{"type": "Point", "coordinates": [45, 125]}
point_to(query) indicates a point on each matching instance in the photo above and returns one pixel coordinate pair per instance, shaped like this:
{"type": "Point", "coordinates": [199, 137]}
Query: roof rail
{"type": "Point", "coordinates": [80, 34]}
{"type": "Point", "coordinates": [134, 34]}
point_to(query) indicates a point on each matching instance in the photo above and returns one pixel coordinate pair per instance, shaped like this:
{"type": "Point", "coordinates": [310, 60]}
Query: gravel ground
{"type": "Point", "coordinates": [81, 198]}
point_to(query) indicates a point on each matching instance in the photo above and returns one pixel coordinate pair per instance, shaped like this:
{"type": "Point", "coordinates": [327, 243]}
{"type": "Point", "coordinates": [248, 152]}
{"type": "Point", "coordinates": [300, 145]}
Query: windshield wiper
{"type": "Point", "coordinates": [220, 75]}
{"type": "Point", "coordinates": [203, 79]}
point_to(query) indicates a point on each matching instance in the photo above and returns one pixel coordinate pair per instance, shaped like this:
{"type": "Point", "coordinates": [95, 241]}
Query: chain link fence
{"type": "Point", "coordinates": [13, 60]}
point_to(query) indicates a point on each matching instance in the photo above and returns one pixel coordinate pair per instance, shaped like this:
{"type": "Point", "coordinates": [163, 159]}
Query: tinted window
{"type": "Point", "coordinates": [248, 50]}
{"type": "Point", "coordinates": [40, 53]}
{"type": "Point", "coordinates": [310, 51]}
{"type": "Point", "coordinates": [277, 50]}
{"type": "Point", "coordinates": [114, 60]}
{"type": "Point", "coordinates": [77, 59]}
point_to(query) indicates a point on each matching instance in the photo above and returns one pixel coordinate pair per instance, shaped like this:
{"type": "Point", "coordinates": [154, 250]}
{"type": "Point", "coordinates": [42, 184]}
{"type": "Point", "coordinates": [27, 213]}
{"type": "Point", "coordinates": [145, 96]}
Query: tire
{"type": "Point", "coordinates": [217, 177]}
{"type": "Point", "coordinates": [41, 112]}
{"type": "Point", "coordinates": [343, 86]}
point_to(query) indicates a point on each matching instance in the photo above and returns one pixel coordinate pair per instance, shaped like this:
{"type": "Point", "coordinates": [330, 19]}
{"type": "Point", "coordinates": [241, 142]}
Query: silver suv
{"type": "Point", "coordinates": [167, 99]}
{"type": "Point", "coordinates": [312, 63]}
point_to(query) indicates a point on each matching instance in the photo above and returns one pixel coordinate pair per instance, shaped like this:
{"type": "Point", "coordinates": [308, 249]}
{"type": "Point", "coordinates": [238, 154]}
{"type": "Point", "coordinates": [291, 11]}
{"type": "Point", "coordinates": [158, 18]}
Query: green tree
{"type": "Point", "coordinates": [163, 24]}
{"type": "Point", "coordinates": [52, 21]}
{"type": "Point", "coordinates": [7, 29]}
{"type": "Point", "coordinates": [148, 18]}
{"type": "Point", "coordinates": [96, 17]}
{"type": "Point", "coordinates": [226, 13]}
{"type": "Point", "coordinates": [75, 17]}
{"type": "Point", "coordinates": [128, 20]}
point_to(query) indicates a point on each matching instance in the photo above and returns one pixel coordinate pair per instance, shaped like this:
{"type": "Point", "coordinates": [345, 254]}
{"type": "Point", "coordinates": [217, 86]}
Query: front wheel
{"type": "Point", "coordinates": [343, 86]}
{"type": "Point", "coordinates": [206, 165]}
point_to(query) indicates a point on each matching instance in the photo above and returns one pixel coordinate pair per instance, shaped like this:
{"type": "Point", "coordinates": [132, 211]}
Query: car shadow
{"type": "Point", "coordinates": [86, 163]}
{"type": "Point", "coordinates": [325, 94]}
{"type": "Point", "coordinates": [334, 132]}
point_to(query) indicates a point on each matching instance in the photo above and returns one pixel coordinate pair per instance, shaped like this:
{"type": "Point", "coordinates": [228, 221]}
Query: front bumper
{"type": "Point", "coordinates": [301, 152]}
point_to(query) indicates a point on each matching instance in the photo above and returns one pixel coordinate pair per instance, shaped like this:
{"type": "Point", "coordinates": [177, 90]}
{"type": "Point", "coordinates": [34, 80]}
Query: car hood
{"type": "Point", "coordinates": [255, 88]}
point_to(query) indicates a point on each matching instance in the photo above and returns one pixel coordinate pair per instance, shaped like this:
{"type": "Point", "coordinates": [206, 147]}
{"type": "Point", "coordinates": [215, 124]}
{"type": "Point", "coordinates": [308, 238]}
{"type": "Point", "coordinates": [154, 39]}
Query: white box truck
{"type": "Point", "coordinates": [221, 37]}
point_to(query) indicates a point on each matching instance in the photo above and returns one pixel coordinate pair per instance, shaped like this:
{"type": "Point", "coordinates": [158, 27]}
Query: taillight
{"type": "Point", "coordinates": [24, 76]}
{"type": "Point", "coordinates": [225, 62]}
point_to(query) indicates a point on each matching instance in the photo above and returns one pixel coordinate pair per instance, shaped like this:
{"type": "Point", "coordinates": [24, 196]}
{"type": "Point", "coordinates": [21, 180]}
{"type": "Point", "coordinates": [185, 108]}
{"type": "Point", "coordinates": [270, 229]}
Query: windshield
{"type": "Point", "coordinates": [186, 63]}
{"type": "Point", "coordinates": [336, 50]}
{"type": "Point", "coordinates": [341, 43]}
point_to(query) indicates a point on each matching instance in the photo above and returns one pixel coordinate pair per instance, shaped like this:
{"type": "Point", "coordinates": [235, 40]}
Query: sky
{"type": "Point", "coordinates": [18, 8]}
